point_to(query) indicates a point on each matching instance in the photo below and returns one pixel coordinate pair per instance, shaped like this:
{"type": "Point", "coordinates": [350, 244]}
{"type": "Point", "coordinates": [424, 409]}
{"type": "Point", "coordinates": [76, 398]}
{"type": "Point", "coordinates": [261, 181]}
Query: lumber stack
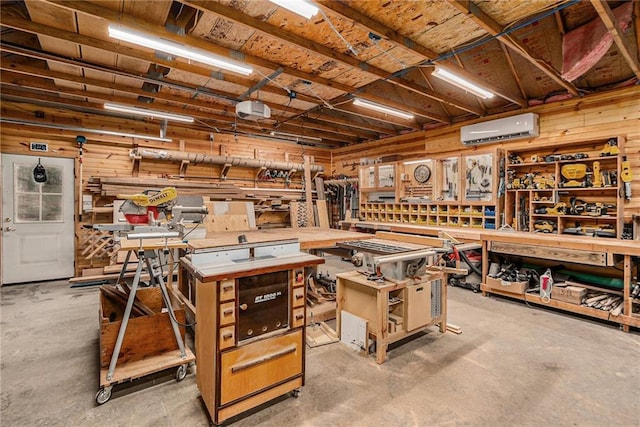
{"type": "Point", "coordinates": [112, 186]}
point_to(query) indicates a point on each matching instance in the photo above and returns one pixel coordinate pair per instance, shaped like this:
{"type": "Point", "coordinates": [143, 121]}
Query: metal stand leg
{"type": "Point", "coordinates": [155, 270]}
{"type": "Point", "coordinates": [127, 314]}
{"type": "Point", "coordinates": [124, 268]}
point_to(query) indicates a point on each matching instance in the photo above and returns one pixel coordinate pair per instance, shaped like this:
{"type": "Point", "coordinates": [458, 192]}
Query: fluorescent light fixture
{"type": "Point", "coordinates": [413, 162]}
{"type": "Point", "coordinates": [294, 136]}
{"type": "Point", "coordinates": [301, 7]}
{"type": "Point", "coordinates": [148, 113]}
{"type": "Point", "coordinates": [177, 49]}
{"type": "Point", "coordinates": [382, 108]}
{"type": "Point", "coordinates": [83, 129]}
{"type": "Point", "coordinates": [455, 80]}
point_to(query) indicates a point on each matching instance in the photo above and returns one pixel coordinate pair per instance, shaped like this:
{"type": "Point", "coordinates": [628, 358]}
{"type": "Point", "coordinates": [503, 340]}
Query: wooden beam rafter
{"type": "Point", "coordinates": [10, 79]}
{"type": "Point", "coordinates": [315, 48]}
{"type": "Point", "coordinates": [112, 16]}
{"type": "Point", "coordinates": [485, 21]}
{"type": "Point", "coordinates": [605, 13]}
{"type": "Point", "coordinates": [365, 22]}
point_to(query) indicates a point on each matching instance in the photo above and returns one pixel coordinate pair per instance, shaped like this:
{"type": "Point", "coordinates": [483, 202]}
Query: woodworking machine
{"type": "Point", "coordinates": [395, 260]}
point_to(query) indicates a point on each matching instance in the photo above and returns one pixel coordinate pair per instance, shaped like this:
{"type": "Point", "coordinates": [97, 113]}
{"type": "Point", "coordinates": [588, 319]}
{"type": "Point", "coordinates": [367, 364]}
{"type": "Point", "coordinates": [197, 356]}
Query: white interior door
{"type": "Point", "coordinates": [37, 219]}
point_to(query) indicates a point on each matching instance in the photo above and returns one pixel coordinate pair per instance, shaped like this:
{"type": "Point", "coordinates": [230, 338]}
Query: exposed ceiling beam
{"type": "Point", "coordinates": [141, 25]}
{"type": "Point", "coordinates": [428, 83]}
{"type": "Point", "coordinates": [315, 48]}
{"type": "Point", "coordinates": [25, 81]}
{"type": "Point", "coordinates": [113, 16]}
{"type": "Point", "coordinates": [604, 11]}
{"type": "Point", "coordinates": [490, 25]}
{"type": "Point", "coordinates": [346, 127]}
{"type": "Point", "coordinates": [21, 24]}
{"type": "Point", "coordinates": [365, 22]}
{"type": "Point", "coordinates": [348, 122]}
{"type": "Point", "coordinates": [18, 94]}
{"type": "Point", "coordinates": [191, 102]}
{"type": "Point", "coordinates": [512, 67]}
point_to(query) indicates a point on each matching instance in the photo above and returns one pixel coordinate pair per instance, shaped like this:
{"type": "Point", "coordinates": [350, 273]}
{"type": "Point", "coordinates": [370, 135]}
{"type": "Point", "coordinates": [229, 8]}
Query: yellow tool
{"type": "Point", "coordinates": [559, 209]}
{"type": "Point", "coordinates": [626, 177]}
{"type": "Point", "coordinates": [610, 148]}
{"type": "Point", "coordinates": [163, 196]}
{"type": "Point", "coordinates": [573, 173]}
{"type": "Point", "coordinates": [597, 178]}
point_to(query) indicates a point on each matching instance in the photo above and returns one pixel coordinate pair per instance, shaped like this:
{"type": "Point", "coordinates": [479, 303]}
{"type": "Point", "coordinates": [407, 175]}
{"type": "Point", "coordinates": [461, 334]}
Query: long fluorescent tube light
{"type": "Point", "coordinates": [455, 80]}
{"type": "Point", "coordinates": [414, 162]}
{"type": "Point", "coordinates": [82, 129]}
{"type": "Point", "coordinates": [301, 7]}
{"type": "Point", "coordinates": [148, 113]}
{"type": "Point", "coordinates": [292, 135]}
{"type": "Point", "coordinates": [382, 108]}
{"type": "Point", "coordinates": [177, 49]}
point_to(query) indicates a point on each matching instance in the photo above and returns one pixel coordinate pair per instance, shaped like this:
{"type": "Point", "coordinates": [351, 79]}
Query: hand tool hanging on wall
{"type": "Point", "coordinates": [626, 177]}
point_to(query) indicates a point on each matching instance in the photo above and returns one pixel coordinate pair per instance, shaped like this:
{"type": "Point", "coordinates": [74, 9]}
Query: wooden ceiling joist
{"type": "Point", "coordinates": [346, 129]}
{"type": "Point", "coordinates": [141, 25]}
{"type": "Point", "coordinates": [313, 47]}
{"type": "Point", "coordinates": [489, 24]}
{"type": "Point", "coordinates": [604, 11]}
{"type": "Point", "coordinates": [368, 24]}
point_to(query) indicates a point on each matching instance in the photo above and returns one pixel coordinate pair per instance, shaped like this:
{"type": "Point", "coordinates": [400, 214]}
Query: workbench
{"type": "Point", "coordinates": [595, 252]}
{"type": "Point", "coordinates": [463, 234]}
{"type": "Point", "coordinates": [311, 239]}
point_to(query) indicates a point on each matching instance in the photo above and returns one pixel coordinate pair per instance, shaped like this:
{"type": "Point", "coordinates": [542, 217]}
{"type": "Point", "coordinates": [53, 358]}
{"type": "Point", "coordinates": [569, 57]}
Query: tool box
{"type": "Point", "coordinates": [570, 294]}
{"type": "Point", "coordinates": [505, 286]}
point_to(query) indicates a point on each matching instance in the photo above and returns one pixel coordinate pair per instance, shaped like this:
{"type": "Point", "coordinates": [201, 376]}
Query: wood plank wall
{"type": "Point", "coordinates": [589, 118]}
{"type": "Point", "coordinates": [108, 156]}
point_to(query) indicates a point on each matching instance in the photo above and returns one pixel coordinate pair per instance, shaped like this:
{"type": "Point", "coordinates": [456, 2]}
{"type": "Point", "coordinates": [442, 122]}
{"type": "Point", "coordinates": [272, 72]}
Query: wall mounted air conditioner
{"type": "Point", "coordinates": [253, 110]}
{"type": "Point", "coordinates": [507, 129]}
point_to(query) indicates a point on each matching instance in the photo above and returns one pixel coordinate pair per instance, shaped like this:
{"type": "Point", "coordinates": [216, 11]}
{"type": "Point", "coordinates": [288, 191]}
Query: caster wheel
{"type": "Point", "coordinates": [103, 395]}
{"type": "Point", "coordinates": [296, 392]}
{"type": "Point", "coordinates": [181, 373]}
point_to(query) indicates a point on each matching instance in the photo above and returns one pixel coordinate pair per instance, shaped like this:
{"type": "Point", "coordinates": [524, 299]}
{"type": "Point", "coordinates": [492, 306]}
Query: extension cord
{"type": "Point", "coordinates": [546, 284]}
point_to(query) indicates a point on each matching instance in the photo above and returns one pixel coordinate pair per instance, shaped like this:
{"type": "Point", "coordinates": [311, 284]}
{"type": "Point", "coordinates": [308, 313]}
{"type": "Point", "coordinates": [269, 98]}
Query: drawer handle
{"type": "Point", "coordinates": [299, 316]}
{"type": "Point", "coordinates": [227, 335]}
{"type": "Point", "coordinates": [298, 296]}
{"type": "Point", "coordinates": [258, 360]}
{"type": "Point", "coordinates": [227, 288]}
{"type": "Point", "coordinates": [227, 311]}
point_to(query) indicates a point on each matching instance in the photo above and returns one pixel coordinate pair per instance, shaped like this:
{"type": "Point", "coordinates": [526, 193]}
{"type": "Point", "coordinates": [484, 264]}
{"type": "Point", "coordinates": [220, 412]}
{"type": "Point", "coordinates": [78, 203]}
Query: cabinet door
{"type": "Point", "coordinates": [418, 302]}
{"type": "Point", "coordinates": [259, 365]}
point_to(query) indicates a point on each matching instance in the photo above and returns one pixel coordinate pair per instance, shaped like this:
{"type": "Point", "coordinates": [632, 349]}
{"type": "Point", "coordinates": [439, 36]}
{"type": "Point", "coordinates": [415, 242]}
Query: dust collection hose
{"type": "Point", "coordinates": [471, 265]}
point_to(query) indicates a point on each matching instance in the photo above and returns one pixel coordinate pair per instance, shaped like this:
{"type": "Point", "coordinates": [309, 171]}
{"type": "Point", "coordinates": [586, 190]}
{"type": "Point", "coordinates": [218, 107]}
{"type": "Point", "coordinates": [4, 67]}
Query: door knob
{"type": "Point", "coordinates": [9, 229]}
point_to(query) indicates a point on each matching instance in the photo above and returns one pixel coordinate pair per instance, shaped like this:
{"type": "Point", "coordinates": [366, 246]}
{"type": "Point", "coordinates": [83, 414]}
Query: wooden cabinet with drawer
{"type": "Point", "coordinates": [250, 336]}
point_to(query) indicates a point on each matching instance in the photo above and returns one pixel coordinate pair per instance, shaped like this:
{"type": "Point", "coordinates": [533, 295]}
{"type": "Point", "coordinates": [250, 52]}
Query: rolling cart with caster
{"type": "Point", "coordinates": [120, 372]}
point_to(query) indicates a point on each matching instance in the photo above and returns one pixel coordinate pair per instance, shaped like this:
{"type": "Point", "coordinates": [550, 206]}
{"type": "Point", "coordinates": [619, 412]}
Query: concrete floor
{"type": "Point", "coordinates": [512, 365]}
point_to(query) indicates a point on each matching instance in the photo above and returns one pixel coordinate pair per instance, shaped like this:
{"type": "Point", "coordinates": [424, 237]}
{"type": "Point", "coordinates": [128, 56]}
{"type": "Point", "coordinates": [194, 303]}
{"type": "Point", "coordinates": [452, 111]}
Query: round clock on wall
{"type": "Point", "coordinates": [422, 173]}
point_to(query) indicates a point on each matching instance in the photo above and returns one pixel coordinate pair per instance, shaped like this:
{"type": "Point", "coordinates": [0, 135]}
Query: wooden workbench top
{"type": "Point", "coordinates": [151, 244]}
{"type": "Point", "coordinates": [621, 247]}
{"type": "Point", "coordinates": [602, 244]}
{"type": "Point", "coordinates": [309, 238]}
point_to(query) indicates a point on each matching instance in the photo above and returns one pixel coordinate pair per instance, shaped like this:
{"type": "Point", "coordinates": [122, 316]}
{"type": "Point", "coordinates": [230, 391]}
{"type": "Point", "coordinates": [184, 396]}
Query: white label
{"type": "Point", "coordinates": [39, 146]}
